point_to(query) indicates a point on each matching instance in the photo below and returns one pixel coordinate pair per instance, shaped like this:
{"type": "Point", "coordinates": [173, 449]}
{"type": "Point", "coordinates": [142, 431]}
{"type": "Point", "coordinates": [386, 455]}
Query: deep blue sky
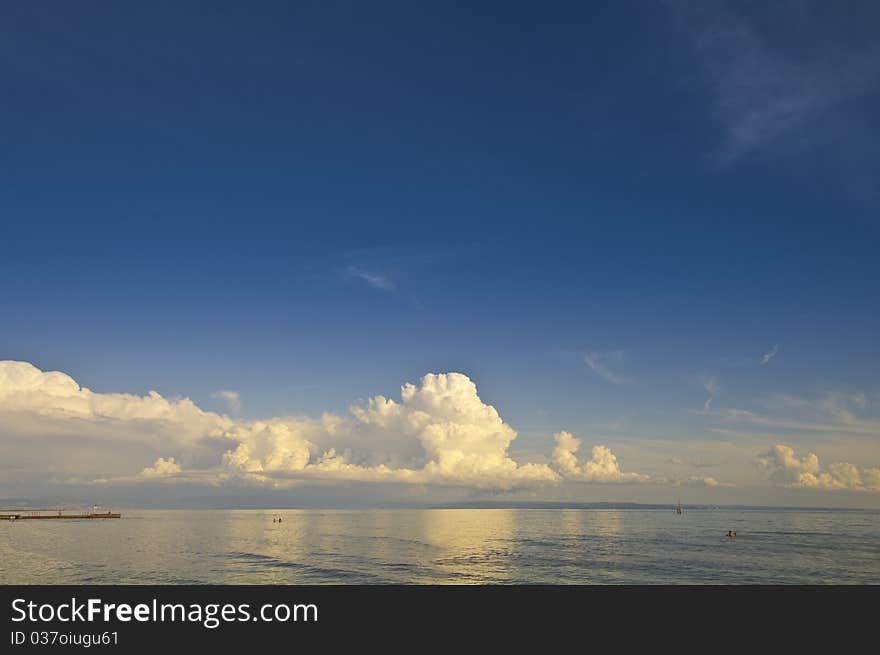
{"type": "Point", "coordinates": [311, 203]}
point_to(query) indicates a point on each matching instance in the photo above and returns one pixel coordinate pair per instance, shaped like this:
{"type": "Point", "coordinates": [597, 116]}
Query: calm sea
{"type": "Point", "coordinates": [468, 546]}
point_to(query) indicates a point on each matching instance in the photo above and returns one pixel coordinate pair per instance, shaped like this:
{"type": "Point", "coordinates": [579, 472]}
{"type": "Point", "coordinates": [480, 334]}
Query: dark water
{"type": "Point", "coordinates": [447, 546]}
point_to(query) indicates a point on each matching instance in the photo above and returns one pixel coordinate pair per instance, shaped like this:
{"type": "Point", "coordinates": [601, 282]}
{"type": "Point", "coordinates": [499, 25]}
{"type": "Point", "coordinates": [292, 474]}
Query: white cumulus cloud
{"type": "Point", "coordinates": [784, 467]}
{"type": "Point", "coordinates": [601, 467]}
{"type": "Point", "coordinates": [439, 432]}
{"type": "Point", "coordinates": [161, 467]}
{"type": "Point", "coordinates": [38, 402]}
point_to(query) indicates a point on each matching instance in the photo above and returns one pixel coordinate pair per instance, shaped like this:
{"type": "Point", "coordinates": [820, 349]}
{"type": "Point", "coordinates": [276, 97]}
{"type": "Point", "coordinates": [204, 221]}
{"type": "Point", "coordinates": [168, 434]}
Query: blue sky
{"type": "Point", "coordinates": [313, 203]}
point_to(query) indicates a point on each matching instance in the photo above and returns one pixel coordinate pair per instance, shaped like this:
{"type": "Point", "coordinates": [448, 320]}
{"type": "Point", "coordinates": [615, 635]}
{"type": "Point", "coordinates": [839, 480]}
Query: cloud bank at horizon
{"type": "Point", "coordinates": [785, 468]}
{"type": "Point", "coordinates": [440, 432]}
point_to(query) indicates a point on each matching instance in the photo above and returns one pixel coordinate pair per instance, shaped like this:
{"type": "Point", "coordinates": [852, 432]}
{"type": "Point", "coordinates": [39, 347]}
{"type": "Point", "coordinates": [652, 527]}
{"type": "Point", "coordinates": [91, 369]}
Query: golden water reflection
{"type": "Point", "coordinates": [460, 546]}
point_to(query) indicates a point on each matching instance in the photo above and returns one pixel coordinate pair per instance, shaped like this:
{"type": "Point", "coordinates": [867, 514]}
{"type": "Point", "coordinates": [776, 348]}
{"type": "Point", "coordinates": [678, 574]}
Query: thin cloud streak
{"type": "Point", "coordinates": [594, 361]}
{"type": "Point", "coordinates": [231, 398]}
{"type": "Point", "coordinates": [375, 280]}
{"type": "Point", "coordinates": [769, 355]}
{"type": "Point", "coordinates": [855, 426]}
{"type": "Point", "coordinates": [761, 94]}
{"type": "Point", "coordinates": [712, 387]}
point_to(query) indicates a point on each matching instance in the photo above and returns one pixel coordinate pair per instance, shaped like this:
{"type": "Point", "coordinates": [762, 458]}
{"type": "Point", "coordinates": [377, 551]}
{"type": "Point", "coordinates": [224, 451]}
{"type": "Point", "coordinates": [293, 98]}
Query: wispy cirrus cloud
{"type": "Point", "coordinates": [598, 363]}
{"type": "Point", "coordinates": [769, 355]}
{"type": "Point", "coordinates": [712, 387]}
{"type": "Point", "coordinates": [765, 85]}
{"type": "Point", "coordinates": [375, 280]}
{"type": "Point", "coordinates": [847, 408]}
{"type": "Point", "coordinates": [231, 398]}
{"type": "Point", "coordinates": [840, 424]}
{"type": "Point", "coordinates": [779, 401]}
{"type": "Point", "coordinates": [842, 406]}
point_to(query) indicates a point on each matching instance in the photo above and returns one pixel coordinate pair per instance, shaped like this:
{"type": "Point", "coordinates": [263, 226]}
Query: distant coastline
{"type": "Point", "coordinates": [639, 506]}
{"type": "Point", "coordinates": [20, 504]}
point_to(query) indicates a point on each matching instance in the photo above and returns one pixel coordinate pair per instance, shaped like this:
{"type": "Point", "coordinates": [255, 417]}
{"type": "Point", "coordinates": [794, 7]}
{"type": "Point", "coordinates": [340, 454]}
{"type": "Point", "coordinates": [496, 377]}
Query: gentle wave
{"type": "Point", "coordinates": [473, 546]}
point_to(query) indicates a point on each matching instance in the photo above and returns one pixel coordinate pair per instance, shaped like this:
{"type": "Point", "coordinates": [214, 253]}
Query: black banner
{"type": "Point", "coordinates": [133, 618]}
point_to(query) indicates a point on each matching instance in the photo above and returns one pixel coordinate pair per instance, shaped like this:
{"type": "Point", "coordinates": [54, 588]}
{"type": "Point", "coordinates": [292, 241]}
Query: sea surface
{"type": "Point", "coordinates": [447, 546]}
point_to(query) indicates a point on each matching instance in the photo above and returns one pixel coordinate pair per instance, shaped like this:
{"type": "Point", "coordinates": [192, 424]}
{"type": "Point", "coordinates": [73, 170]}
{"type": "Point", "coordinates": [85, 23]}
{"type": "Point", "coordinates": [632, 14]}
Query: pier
{"type": "Point", "coordinates": [31, 514]}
